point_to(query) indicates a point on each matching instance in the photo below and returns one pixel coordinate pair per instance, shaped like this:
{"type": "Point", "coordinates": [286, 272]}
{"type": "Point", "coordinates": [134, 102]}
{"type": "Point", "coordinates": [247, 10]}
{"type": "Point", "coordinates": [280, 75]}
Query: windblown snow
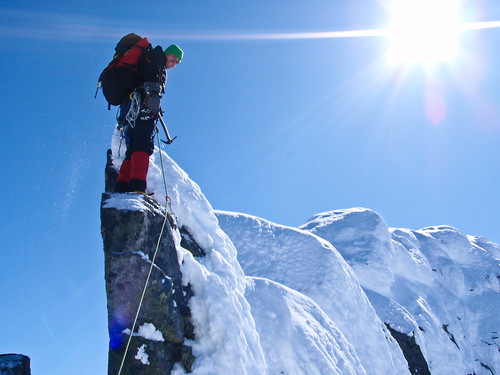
{"type": "Point", "coordinates": [271, 299]}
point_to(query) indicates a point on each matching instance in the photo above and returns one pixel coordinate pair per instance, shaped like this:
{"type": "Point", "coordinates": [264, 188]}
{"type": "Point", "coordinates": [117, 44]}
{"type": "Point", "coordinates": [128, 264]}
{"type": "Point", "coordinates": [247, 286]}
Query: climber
{"type": "Point", "coordinates": [139, 113]}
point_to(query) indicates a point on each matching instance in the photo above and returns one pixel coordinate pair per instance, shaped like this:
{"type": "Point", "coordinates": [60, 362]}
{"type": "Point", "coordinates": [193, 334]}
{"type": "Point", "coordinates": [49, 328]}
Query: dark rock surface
{"type": "Point", "coordinates": [14, 364]}
{"type": "Point", "coordinates": [110, 174]}
{"type": "Point", "coordinates": [188, 243]}
{"type": "Point", "coordinates": [411, 350]}
{"type": "Point", "coordinates": [131, 225]}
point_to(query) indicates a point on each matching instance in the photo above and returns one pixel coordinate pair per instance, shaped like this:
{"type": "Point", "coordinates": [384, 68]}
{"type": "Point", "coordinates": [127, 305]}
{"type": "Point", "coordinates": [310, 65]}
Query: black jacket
{"type": "Point", "coordinates": [155, 70]}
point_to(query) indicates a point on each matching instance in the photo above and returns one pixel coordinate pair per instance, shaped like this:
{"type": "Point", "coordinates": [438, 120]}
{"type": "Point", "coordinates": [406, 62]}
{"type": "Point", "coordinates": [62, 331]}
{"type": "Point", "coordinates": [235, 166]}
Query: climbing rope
{"type": "Point", "coordinates": [123, 126]}
{"type": "Point", "coordinates": [168, 200]}
{"type": "Point", "coordinates": [143, 293]}
{"type": "Point", "coordinates": [168, 204]}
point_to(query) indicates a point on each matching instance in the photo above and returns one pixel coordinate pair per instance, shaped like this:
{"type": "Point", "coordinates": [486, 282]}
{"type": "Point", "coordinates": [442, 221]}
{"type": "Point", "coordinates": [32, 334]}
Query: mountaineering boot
{"type": "Point", "coordinates": [139, 164]}
{"type": "Point", "coordinates": [121, 187]}
{"type": "Point", "coordinates": [123, 179]}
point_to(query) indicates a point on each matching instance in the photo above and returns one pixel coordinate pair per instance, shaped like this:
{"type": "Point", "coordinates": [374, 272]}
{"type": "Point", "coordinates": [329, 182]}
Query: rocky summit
{"type": "Point", "coordinates": [231, 293]}
{"type": "Point", "coordinates": [131, 225]}
{"type": "Point", "coordinates": [14, 364]}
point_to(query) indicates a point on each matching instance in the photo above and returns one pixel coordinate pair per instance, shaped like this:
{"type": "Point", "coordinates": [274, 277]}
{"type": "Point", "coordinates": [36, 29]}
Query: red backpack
{"type": "Point", "coordinates": [123, 74]}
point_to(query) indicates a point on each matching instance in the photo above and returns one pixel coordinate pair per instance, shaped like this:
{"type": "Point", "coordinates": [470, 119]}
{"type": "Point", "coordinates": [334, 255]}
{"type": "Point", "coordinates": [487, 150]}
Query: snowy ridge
{"type": "Point", "coordinates": [296, 335]}
{"type": "Point", "coordinates": [270, 299]}
{"type": "Point", "coordinates": [313, 267]}
{"type": "Point", "coordinates": [436, 283]}
{"type": "Point", "coordinates": [226, 338]}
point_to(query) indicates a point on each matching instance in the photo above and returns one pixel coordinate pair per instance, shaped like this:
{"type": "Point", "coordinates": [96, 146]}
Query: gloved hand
{"type": "Point", "coordinates": [152, 102]}
{"type": "Point", "coordinates": [151, 87]}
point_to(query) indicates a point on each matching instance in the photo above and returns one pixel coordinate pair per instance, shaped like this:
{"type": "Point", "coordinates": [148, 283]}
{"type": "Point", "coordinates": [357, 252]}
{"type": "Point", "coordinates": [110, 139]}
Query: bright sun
{"type": "Point", "coordinates": [426, 31]}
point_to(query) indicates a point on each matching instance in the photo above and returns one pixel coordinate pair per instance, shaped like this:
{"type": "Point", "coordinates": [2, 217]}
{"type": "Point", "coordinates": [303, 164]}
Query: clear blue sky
{"type": "Point", "coordinates": [281, 128]}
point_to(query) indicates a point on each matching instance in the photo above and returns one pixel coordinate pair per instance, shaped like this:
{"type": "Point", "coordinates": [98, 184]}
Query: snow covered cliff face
{"type": "Point", "coordinates": [312, 267]}
{"type": "Point", "coordinates": [436, 284]}
{"type": "Point", "coordinates": [225, 338]}
{"type": "Point", "coordinates": [270, 299]}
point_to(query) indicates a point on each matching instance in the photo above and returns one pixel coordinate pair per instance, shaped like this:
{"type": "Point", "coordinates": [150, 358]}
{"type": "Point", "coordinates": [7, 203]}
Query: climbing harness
{"type": "Point", "coordinates": [168, 206]}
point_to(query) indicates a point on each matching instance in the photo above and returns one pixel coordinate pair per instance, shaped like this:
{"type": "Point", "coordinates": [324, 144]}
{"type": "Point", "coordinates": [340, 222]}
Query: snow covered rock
{"type": "Point", "coordinates": [364, 240]}
{"type": "Point", "coordinates": [435, 285]}
{"type": "Point", "coordinates": [296, 335]}
{"type": "Point", "coordinates": [225, 339]}
{"type": "Point", "coordinates": [312, 267]}
{"type": "Point", "coordinates": [14, 364]}
{"type": "Point", "coordinates": [131, 225]}
{"type": "Point", "coordinates": [335, 296]}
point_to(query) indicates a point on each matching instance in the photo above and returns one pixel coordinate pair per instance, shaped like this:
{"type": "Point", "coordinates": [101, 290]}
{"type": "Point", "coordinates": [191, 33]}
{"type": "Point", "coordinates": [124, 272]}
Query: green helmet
{"type": "Point", "coordinates": [174, 50]}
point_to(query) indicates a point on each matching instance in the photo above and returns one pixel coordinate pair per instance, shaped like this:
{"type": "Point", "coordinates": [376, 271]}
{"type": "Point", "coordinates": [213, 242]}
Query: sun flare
{"type": "Point", "coordinates": [425, 31]}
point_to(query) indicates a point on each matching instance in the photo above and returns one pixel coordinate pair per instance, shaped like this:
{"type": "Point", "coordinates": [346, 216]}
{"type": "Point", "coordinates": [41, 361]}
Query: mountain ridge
{"type": "Point", "coordinates": [342, 294]}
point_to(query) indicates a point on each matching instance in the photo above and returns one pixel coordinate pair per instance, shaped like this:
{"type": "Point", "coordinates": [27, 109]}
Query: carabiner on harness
{"type": "Point", "coordinates": [135, 107]}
